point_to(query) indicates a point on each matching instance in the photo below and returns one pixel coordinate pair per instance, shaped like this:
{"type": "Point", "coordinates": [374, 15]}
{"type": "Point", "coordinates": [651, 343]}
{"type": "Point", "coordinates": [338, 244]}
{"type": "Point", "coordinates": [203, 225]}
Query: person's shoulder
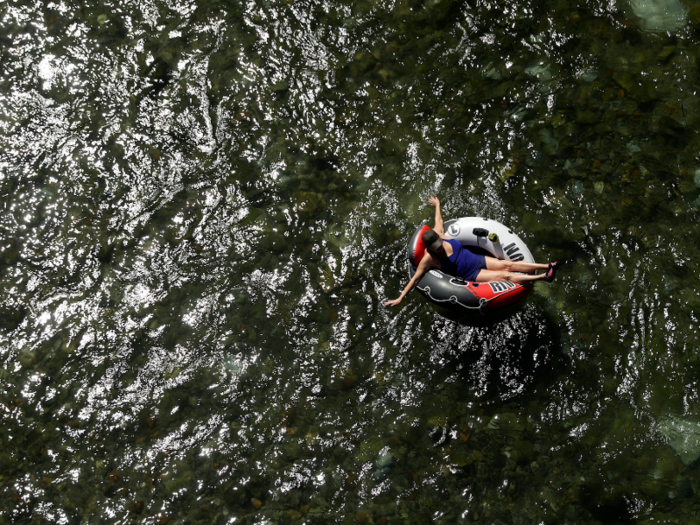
{"type": "Point", "coordinates": [427, 256]}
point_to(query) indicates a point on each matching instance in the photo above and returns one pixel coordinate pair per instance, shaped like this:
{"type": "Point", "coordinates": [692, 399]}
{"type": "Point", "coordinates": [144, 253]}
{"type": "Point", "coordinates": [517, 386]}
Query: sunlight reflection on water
{"type": "Point", "coordinates": [205, 206]}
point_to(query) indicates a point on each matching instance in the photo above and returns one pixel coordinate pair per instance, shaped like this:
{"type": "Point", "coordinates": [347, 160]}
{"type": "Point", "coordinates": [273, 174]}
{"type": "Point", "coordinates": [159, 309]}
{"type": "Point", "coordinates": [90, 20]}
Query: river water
{"type": "Point", "coordinates": [205, 205]}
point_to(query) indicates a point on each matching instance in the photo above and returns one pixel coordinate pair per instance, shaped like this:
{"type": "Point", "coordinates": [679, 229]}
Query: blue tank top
{"type": "Point", "coordinates": [462, 262]}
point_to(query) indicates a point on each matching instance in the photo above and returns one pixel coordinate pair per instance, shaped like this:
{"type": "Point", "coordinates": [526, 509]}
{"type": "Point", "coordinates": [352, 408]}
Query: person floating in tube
{"type": "Point", "coordinates": [448, 255]}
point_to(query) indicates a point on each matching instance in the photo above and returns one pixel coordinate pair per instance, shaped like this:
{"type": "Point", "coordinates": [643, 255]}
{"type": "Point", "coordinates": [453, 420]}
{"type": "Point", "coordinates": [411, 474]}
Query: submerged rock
{"type": "Point", "coordinates": [633, 148]}
{"type": "Point", "coordinates": [587, 75]}
{"type": "Point", "coordinates": [683, 437]}
{"type": "Point", "coordinates": [384, 463]}
{"type": "Point", "coordinates": [660, 15]}
{"type": "Point", "coordinates": [542, 71]}
{"type": "Point", "coordinates": [551, 144]}
{"type": "Point", "coordinates": [492, 72]}
{"type": "Point", "coordinates": [696, 178]}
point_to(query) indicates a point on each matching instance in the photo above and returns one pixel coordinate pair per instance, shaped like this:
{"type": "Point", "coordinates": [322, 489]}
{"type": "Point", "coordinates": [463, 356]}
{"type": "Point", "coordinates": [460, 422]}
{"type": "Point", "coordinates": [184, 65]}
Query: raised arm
{"type": "Point", "coordinates": [439, 227]}
{"type": "Point", "coordinates": [423, 266]}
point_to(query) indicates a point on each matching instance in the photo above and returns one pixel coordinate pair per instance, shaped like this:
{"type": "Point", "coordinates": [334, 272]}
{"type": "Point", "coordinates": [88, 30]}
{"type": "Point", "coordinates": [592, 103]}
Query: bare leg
{"type": "Point", "coordinates": [513, 266]}
{"type": "Point", "coordinates": [494, 275]}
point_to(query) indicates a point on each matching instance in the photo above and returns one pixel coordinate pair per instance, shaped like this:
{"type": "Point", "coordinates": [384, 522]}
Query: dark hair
{"type": "Point", "coordinates": [430, 237]}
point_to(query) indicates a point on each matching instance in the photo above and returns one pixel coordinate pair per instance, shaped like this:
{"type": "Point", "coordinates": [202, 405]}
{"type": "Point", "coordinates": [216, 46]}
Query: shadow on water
{"type": "Point", "coordinates": [475, 318]}
{"type": "Point", "coordinates": [506, 358]}
{"type": "Point", "coordinates": [607, 508]}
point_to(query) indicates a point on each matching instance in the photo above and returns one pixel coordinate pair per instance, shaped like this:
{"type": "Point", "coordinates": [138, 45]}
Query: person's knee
{"type": "Point", "coordinates": [499, 265]}
{"type": "Point", "coordinates": [493, 264]}
{"type": "Point", "coordinates": [507, 266]}
{"type": "Point", "coordinates": [505, 276]}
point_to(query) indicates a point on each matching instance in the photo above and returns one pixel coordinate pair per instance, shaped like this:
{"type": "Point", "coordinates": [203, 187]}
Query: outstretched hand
{"type": "Point", "coordinates": [393, 302]}
{"type": "Point", "coordinates": [434, 201]}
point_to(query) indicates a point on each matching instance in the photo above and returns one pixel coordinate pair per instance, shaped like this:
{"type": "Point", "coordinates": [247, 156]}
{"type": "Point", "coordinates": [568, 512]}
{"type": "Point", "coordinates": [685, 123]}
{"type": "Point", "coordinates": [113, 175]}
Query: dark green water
{"type": "Point", "coordinates": [204, 206]}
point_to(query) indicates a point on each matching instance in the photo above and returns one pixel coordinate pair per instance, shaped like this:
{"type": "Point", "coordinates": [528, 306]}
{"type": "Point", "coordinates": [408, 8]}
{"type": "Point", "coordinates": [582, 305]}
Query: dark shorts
{"type": "Point", "coordinates": [482, 266]}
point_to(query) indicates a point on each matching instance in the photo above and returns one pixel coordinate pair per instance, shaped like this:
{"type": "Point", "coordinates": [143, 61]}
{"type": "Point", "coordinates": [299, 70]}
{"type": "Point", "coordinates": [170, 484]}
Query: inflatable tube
{"type": "Point", "coordinates": [484, 236]}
